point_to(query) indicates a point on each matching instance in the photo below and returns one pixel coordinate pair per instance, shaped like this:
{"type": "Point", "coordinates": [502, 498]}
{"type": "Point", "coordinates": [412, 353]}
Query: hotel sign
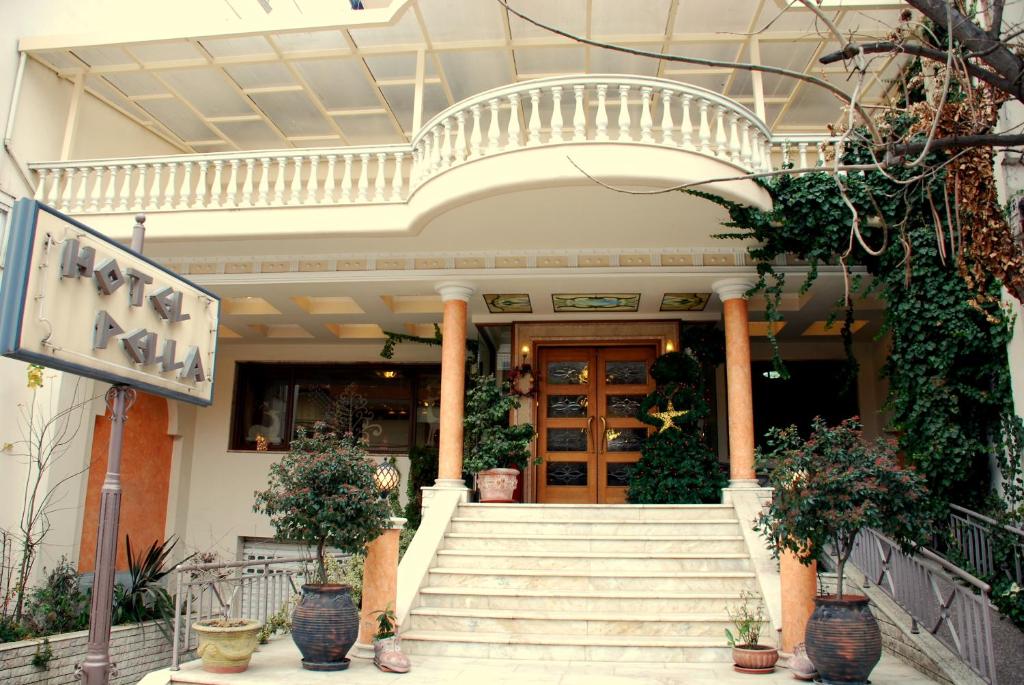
{"type": "Point", "coordinates": [73, 299]}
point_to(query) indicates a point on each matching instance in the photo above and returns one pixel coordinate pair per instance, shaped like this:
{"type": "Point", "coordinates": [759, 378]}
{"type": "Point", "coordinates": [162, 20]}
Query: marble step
{"type": "Point", "coordinates": [587, 527]}
{"type": "Point", "coordinates": [523, 622]}
{"type": "Point", "coordinates": [593, 561]}
{"type": "Point", "coordinates": [481, 645]}
{"type": "Point", "coordinates": [628, 581]}
{"type": "Point", "coordinates": [597, 512]}
{"type": "Point", "coordinates": [598, 543]}
{"type": "Point", "coordinates": [577, 600]}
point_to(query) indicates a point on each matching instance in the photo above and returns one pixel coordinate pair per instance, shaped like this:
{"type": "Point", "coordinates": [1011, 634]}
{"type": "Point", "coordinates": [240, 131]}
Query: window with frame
{"type": "Point", "coordinates": [394, 406]}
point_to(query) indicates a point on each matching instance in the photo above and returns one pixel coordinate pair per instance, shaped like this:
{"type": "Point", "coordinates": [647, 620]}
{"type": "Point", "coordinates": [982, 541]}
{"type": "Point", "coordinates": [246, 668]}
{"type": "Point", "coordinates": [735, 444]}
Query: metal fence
{"type": "Point", "coordinates": [972, 536]}
{"type": "Point", "coordinates": [946, 601]}
{"type": "Point", "coordinates": [253, 589]}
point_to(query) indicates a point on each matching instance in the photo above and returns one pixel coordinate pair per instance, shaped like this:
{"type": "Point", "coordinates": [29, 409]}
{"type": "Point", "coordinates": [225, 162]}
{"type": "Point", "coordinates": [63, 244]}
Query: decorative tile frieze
{"type": "Point", "coordinates": [677, 260]}
{"type": "Point", "coordinates": [275, 267]}
{"type": "Point", "coordinates": [510, 262]}
{"type": "Point", "coordinates": [239, 268]}
{"type": "Point", "coordinates": [553, 262]}
{"type": "Point", "coordinates": [470, 263]}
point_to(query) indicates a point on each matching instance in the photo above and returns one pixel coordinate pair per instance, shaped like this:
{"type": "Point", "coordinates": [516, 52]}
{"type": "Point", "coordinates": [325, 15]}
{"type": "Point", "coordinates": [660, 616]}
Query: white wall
{"type": "Point", "coordinates": [220, 488]}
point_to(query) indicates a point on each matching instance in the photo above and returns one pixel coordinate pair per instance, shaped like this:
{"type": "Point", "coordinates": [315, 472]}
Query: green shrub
{"type": "Point", "coordinates": [422, 473]}
{"type": "Point", "coordinates": [59, 605]}
{"type": "Point", "coordinates": [489, 441]}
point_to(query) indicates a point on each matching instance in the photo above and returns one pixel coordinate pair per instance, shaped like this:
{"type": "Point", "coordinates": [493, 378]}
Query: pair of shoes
{"type": "Point", "coordinates": [387, 656]}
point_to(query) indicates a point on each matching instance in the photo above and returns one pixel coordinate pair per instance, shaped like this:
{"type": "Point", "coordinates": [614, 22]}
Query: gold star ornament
{"type": "Point", "coordinates": [666, 417]}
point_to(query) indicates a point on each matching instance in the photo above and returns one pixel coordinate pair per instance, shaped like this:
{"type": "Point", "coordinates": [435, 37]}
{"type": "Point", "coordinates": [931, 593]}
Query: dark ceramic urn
{"type": "Point", "coordinates": [325, 625]}
{"type": "Point", "coordinates": [843, 639]}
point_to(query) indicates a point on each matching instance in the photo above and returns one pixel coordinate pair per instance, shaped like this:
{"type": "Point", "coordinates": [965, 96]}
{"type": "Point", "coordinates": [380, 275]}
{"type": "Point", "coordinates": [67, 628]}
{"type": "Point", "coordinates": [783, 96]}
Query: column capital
{"type": "Point", "coordinates": [732, 288]}
{"type": "Point", "coordinates": [455, 290]}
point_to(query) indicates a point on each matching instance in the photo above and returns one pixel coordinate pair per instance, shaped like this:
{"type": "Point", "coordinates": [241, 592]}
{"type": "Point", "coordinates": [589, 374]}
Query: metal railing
{"type": "Point", "coordinates": [972, 536]}
{"type": "Point", "coordinates": [253, 589]}
{"type": "Point", "coordinates": [948, 602]}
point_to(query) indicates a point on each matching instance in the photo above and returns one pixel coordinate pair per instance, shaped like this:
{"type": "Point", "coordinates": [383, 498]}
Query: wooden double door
{"type": "Point", "coordinates": [588, 434]}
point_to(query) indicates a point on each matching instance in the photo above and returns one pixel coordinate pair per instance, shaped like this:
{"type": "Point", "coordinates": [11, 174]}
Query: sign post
{"type": "Point", "coordinates": [60, 307]}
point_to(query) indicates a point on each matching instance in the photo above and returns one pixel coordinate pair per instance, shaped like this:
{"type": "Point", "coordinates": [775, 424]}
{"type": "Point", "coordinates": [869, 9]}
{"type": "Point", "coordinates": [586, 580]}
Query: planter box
{"type": "Point", "coordinates": [135, 649]}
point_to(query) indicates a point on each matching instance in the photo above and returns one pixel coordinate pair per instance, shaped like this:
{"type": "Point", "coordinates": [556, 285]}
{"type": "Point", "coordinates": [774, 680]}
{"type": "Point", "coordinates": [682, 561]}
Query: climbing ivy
{"type": "Point", "coordinates": [949, 390]}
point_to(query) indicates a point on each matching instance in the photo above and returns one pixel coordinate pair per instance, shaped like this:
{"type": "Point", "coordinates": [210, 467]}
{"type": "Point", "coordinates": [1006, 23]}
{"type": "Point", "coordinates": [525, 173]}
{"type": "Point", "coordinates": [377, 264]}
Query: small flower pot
{"type": "Point", "coordinates": [497, 485]}
{"type": "Point", "coordinates": [388, 656]}
{"type": "Point", "coordinates": [226, 646]}
{"type": "Point", "coordinates": [756, 659]}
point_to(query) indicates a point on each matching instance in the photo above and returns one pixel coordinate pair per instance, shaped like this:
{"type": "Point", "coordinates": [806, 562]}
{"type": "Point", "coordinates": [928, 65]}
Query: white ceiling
{"type": "Point", "coordinates": [328, 76]}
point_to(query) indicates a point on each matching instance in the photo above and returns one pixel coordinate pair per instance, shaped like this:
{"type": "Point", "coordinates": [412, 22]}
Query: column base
{"type": "Point", "coordinates": [361, 651]}
{"type": "Point", "coordinates": [743, 483]}
{"type": "Point", "coordinates": [449, 484]}
{"type": "Point", "coordinates": [443, 485]}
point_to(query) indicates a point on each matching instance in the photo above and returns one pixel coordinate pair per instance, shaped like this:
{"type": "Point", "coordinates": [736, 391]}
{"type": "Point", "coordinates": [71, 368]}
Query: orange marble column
{"type": "Point", "coordinates": [799, 587]}
{"type": "Point", "coordinates": [732, 292]}
{"type": "Point", "coordinates": [453, 382]}
{"type": "Point", "coordinates": [380, 583]}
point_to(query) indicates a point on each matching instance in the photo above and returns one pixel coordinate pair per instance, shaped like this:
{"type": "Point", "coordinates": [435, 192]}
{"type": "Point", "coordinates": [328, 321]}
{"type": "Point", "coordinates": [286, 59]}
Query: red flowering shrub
{"type": "Point", "coordinates": [831, 486]}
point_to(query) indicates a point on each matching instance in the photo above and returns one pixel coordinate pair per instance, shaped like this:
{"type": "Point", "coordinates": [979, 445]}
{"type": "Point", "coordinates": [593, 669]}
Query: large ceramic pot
{"type": "Point", "coordinates": [226, 646]}
{"type": "Point", "coordinates": [843, 639]}
{"type": "Point", "coordinates": [754, 658]}
{"type": "Point", "coordinates": [325, 625]}
{"type": "Point", "coordinates": [497, 485]}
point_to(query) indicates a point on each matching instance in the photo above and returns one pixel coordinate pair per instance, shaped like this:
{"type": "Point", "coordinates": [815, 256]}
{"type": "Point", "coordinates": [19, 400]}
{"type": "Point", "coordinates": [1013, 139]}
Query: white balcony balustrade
{"type": "Point", "coordinates": [568, 111]}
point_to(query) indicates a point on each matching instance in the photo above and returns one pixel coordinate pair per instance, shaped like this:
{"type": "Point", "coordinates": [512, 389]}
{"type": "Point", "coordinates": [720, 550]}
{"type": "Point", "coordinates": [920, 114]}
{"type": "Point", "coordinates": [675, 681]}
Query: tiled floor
{"type": "Point", "coordinates": [278, 664]}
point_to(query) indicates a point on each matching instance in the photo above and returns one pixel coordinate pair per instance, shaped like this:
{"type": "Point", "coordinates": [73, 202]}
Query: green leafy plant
{"type": "Point", "coordinates": [58, 605]}
{"type": "Point", "coordinates": [489, 441]}
{"type": "Point", "coordinates": [44, 655]}
{"type": "Point", "coordinates": [675, 466]}
{"type": "Point", "coordinates": [11, 630]}
{"type": "Point", "coordinates": [748, 618]}
{"type": "Point", "coordinates": [387, 623]}
{"type": "Point", "coordinates": [145, 597]}
{"type": "Point", "coordinates": [422, 473]}
{"type": "Point", "coordinates": [278, 622]}
{"type": "Point", "coordinates": [322, 493]}
{"type": "Point", "coordinates": [831, 486]}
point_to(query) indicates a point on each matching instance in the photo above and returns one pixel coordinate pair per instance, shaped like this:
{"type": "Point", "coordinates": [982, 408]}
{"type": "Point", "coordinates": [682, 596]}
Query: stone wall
{"type": "Point", "coordinates": [135, 649]}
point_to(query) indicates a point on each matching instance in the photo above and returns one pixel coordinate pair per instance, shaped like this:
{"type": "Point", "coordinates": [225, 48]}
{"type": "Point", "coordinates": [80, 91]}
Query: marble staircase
{"type": "Point", "coordinates": [583, 583]}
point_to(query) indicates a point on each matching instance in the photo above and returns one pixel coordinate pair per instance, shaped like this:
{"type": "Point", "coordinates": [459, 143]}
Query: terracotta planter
{"type": "Point", "coordinates": [497, 485]}
{"type": "Point", "coordinates": [843, 639]}
{"type": "Point", "coordinates": [325, 625]}
{"type": "Point", "coordinates": [228, 648]}
{"type": "Point", "coordinates": [754, 659]}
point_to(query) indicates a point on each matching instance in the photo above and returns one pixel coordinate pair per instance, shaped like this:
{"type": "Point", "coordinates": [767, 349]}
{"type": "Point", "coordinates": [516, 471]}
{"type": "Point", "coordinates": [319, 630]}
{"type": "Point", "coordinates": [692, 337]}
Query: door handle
{"type": "Point", "coordinates": [590, 433]}
{"type": "Point", "coordinates": [604, 434]}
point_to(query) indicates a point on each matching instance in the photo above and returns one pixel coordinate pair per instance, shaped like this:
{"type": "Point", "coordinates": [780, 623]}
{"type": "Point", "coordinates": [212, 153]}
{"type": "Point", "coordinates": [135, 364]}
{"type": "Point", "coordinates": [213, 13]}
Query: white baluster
{"type": "Point", "coordinates": [346, 180]}
{"type": "Point", "coordinates": [446, 144]}
{"type": "Point", "coordinates": [330, 183]}
{"type": "Point", "coordinates": [42, 175]}
{"type": "Point", "coordinates": [313, 183]}
{"type": "Point", "coordinates": [477, 136]}
{"type": "Point", "coordinates": [494, 128]}
{"type": "Point", "coordinates": [231, 195]}
{"type": "Point", "coordinates": [69, 188]}
{"type": "Point", "coordinates": [784, 145]}
{"type": "Point", "coordinates": [514, 128]}
{"type": "Point", "coordinates": [263, 186]}
{"type": "Point", "coordinates": [82, 194]}
{"type": "Point", "coordinates": [186, 197]}
{"type": "Point", "coordinates": [802, 147]}
{"type": "Point", "coordinates": [379, 184]}
{"type": "Point", "coordinates": [417, 165]}
{"type": "Point", "coordinates": [579, 116]}
{"type": "Point", "coordinates": [721, 138]}
{"type": "Point", "coordinates": [602, 113]}
{"type": "Point", "coordinates": [200, 195]}
{"type": "Point", "coordinates": [435, 146]}
{"type": "Point", "coordinates": [766, 155]}
{"type": "Point", "coordinates": [157, 193]}
{"type": "Point", "coordinates": [755, 150]}
{"type": "Point", "coordinates": [686, 127]}
{"type": "Point", "coordinates": [295, 189]}
{"type": "Point", "coordinates": [646, 119]}
{"type": "Point", "coordinates": [110, 188]}
{"type": "Point", "coordinates": [279, 181]}
{"type": "Point", "coordinates": [172, 186]}
{"type": "Point", "coordinates": [821, 154]}
{"type": "Point", "coordinates": [668, 134]}
{"type": "Point", "coordinates": [533, 138]}
{"type": "Point", "coordinates": [705, 128]}
{"type": "Point", "coordinates": [745, 145]}
{"type": "Point", "coordinates": [556, 115]}
{"type": "Point", "coordinates": [97, 189]}
{"type": "Point", "coordinates": [216, 187]}
{"type": "Point", "coordinates": [247, 186]}
{"type": "Point", "coordinates": [140, 199]}
{"type": "Point", "coordinates": [53, 198]}
{"type": "Point", "coordinates": [734, 138]}
{"type": "Point", "coordinates": [624, 121]}
{"type": "Point", "coordinates": [460, 138]}
{"type": "Point", "coordinates": [125, 194]}
{"type": "Point", "coordinates": [364, 177]}
{"type": "Point", "coordinates": [396, 178]}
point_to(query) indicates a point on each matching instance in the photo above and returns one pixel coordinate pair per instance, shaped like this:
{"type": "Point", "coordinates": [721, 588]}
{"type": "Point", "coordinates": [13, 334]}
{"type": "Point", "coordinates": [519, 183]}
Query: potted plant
{"type": "Point", "coordinates": [322, 493]}
{"type": "Point", "coordinates": [387, 650]}
{"type": "Point", "coordinates": [827, 489]}
{"type": "Point", "coordinates": [226, 644]}
{"type": "Point", "coordinates": [748, 654]}
{"type": "Point", "coordinates": [494, 451]}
